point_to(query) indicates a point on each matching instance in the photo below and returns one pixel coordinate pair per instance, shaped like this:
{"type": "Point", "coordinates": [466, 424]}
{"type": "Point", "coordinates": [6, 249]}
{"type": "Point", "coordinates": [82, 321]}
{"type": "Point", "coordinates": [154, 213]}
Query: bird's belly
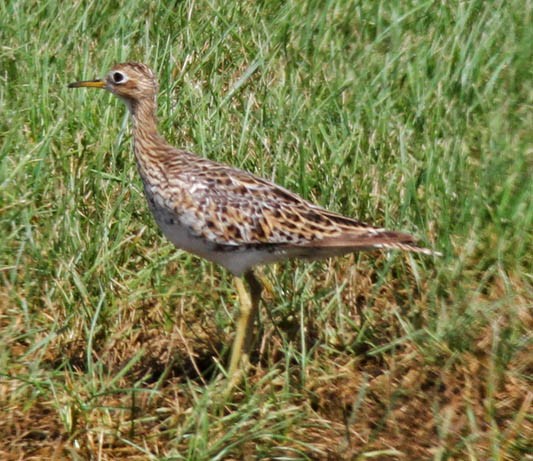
{"type": "Point", "coordinates": [178, 233]}
{"type": "Point", "coordinates": [237, 259]}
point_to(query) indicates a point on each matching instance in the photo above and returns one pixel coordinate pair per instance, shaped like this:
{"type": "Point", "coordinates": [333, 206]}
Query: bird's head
{"type": "Point", "coordinates": [131, 81]}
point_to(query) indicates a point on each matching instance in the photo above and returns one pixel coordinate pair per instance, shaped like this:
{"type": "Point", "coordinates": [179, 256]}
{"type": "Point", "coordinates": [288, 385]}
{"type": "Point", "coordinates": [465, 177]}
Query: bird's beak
{"type": "Point", "coordinates": [88, 83]}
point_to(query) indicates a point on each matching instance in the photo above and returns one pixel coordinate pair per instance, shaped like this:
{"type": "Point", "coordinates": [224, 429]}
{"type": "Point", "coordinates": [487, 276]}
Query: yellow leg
{"type": "Point", "coordinates": [265, 283]}
{"type": "Point", "coordinates": [249, 305]}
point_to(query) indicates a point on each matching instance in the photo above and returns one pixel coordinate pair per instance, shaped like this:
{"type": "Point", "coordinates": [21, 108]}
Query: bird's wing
{"type": "Point", "coordinates": [229, 206]}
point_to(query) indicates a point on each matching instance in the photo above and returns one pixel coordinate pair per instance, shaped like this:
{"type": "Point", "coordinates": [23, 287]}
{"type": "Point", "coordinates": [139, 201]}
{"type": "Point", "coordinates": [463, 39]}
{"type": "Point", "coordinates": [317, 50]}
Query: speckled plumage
{"type": "Point", "coordinates": [224, 214]}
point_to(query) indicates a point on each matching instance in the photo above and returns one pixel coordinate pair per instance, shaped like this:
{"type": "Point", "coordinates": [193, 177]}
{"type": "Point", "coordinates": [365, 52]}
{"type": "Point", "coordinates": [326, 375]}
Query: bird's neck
{"type": "Point", "coordinates": [149, 146]}
{"type": "Point", "coordinates": [143, 114]}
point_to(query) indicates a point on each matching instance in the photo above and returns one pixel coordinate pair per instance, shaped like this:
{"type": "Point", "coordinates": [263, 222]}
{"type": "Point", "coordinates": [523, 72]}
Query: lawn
{"type": "Point", "coordinates": [415, 116]}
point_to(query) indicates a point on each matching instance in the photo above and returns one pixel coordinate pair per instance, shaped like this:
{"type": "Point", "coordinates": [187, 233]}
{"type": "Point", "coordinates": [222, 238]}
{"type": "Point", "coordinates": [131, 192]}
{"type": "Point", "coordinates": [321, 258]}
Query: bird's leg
{"type": "Point", "coordinates": [256, 289]}
{"type": "Point", "coordinates": [249, 305]}
{"type": "Point", "coordinates": [264, 282]}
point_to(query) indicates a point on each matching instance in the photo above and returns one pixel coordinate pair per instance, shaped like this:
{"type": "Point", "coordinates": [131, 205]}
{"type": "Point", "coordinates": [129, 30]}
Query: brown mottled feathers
{"type": "Point", "coordinates": [232, 207]}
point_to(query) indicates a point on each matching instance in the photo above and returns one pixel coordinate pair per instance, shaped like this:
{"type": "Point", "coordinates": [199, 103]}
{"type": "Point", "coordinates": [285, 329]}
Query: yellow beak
{"type": "Point", "coordinates": [88, 84]}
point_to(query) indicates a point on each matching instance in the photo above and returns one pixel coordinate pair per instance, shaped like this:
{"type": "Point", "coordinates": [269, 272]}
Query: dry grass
{"type": "Point", "coordinates": [353, 398]}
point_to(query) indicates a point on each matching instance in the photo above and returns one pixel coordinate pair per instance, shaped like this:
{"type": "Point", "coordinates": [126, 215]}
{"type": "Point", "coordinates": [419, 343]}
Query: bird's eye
{"type": "Point", "coordinates": [118, 77]}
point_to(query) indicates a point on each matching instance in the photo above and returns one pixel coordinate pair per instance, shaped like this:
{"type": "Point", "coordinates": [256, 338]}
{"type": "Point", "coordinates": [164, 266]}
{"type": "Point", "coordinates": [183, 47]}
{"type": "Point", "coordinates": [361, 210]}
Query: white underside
{"type": "Point", "coordinates": [241, 259]}
{"type": "Point", "coordinates": [237, 261]}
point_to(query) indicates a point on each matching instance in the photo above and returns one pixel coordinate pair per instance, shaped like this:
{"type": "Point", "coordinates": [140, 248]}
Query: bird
{"type": "Point", "coordinates": [230, 216]}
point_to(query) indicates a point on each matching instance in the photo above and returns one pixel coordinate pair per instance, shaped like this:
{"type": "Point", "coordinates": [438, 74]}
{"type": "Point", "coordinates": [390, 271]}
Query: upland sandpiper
{"type": "Point", "coordinates": [227, 215]}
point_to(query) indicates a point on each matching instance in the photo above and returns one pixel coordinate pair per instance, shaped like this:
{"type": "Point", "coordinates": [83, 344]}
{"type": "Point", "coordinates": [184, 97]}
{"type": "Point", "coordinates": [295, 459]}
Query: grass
{"type": "Point", "coordinates": [411, 115]}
